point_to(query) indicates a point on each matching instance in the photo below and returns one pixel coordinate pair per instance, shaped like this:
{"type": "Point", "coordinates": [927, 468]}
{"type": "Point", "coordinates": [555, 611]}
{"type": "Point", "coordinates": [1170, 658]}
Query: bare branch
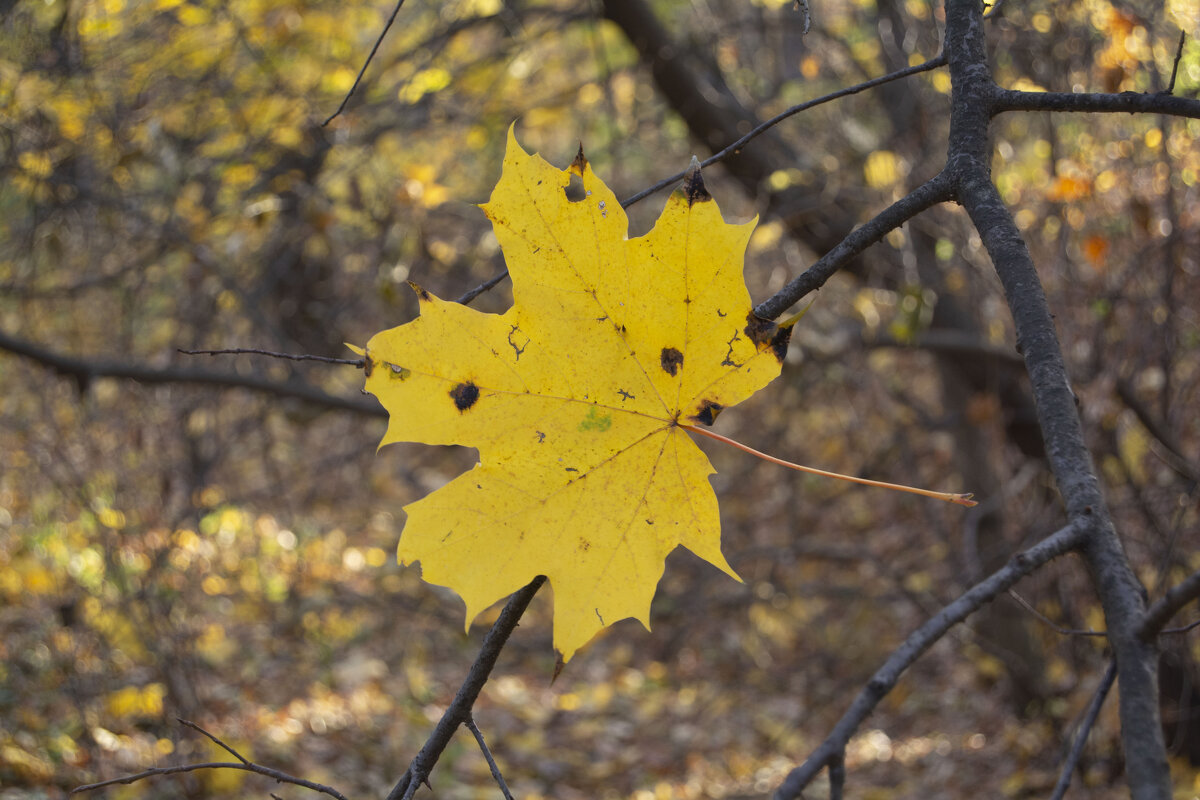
{"type": "Point", "coordinates": [487, 754]}
{"type": "Point", "coordinates": [367, 63]}
{"type": "Point", "coordinates": [736, 147]}
{"type": "Point", "coordinates": [460, 708]}
{"type": "Point", "coordinates": [936, 190]}
{"type": "Point", "coordinates": [471, 294]}
{"type": "Point", "coordinates": [257, 769]}
{"type": "Point", "coordinates": [1160, 613]}
{"type": "Point", "coordinates": [829, 753]}
{"type": "Point", "coordinates": [1175, 67]}
{"type": "Point", "coordinates": [241, 763]}
{"type": "Point", "coordinates": [1025, 604]}
{"type": "Point", "coordinates": [214, 740]}
{"type": "Point", "coordinates": [1124, 103]}
{"type": "Point", "coordinates": [253, 351]}
{"type": "Point", "coordinates": [1085, 727]}
{"type": "Point", "coordinates": [84, 371]}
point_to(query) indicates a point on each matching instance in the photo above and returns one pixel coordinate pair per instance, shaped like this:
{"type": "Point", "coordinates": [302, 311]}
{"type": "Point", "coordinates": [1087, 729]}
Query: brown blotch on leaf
{"type": "Point", "coordinates": [693, 184]}
{"type": "Point", "coordinates": [464, 395]}
{"type": "Point", "coordinates": [765, 333]}
{"type": "Point", "coordinates": [708, 413]}
{"type": "Point", "coordinates": [671, 360]}
{"type": "Point", "coordinates": [580, 163]}
{"type": "Point", "coordinates": [422, 295]}
{"type": "Point", "coordinates": [368, 366]}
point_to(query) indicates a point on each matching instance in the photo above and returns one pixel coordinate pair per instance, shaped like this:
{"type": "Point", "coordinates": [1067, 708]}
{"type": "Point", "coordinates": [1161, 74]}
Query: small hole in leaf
{"type": "Point", "coordinates": [574, 189]}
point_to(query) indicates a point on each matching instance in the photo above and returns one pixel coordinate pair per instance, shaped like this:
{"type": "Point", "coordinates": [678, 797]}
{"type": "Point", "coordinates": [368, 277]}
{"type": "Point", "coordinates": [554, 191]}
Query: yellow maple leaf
{"type": "Point", "coordinates": [575, 396]}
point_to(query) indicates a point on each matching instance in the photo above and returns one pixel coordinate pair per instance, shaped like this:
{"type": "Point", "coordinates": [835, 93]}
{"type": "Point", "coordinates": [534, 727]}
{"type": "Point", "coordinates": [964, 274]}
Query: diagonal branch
{"type": "Point", "coordinates": [1169, 605]}
{"type": "Point", "coordinates": [1085, 727]}
{"type": "Point", "coordinates": [936, 190]}
{"type": "Point", "coordinates": [832, 751]}
{"type": "Point", "coordinates": [460, 708]}
{"type": "Point", "coordinates": [763, 127]}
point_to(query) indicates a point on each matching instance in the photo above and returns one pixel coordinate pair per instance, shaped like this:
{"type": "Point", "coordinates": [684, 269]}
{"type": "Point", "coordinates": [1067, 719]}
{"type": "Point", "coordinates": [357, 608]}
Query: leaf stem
{"type": "Point", "coordinates": [949, 497]}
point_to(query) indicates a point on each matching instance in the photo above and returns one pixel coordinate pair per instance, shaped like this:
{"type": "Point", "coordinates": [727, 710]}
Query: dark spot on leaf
{"type": "Point", "coordinates": [465, 395]}
{"type": "Point", "coordinates": [571, 469]}
{"type": "Point", "coordinates": [541, 436]}
{"type": "Point", "coordinates": [580, 163]}
{"type": "Point", "coordinates": [599, 617]}
{"type": "Point", "coordinates": [693, 185]}
{"type": "Point", "coordinates": [624, 394]}
{"type": "Point", "coordinates": [779, 343]}
{"type": "Point", "coordinates": [585, 545]}
{"type": "Point", "coordinates": [601, 319]}
{"type": "Point", "coordinates": [708, 412]}
{"type": "Point", "coordinates": [422, 295]}
{"type": "Point", "coordinates": [759, 330]}
{"type": "Point", "coordinates": [649, 522]}
{"type": "Point", "coordinates": [671, 360]}
{"type": "Point", "coordinates": [720, 313]}
{"type": "Point", "coordinates": [448, 535]}
{"type": "Point", "coordinates": [368, 366]}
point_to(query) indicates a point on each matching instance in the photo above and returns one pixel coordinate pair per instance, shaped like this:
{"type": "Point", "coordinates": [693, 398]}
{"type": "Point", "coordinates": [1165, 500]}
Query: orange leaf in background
{"type": "Point", "coordinates": [1068, 189]}
{"type": "Point", "coordinates": [1095, 248]}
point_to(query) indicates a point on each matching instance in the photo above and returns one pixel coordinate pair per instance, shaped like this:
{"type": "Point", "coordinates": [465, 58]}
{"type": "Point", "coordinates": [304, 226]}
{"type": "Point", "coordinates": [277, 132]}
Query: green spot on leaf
{"type": "Point", "coordinates": [594, 421]}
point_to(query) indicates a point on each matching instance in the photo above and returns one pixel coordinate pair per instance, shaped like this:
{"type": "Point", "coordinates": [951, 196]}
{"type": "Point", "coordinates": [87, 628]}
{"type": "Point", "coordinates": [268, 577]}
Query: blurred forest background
{"type": "Point", "coordinates": [214, 538]}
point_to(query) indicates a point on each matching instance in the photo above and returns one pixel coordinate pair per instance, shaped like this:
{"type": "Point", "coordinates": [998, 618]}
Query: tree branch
{"type": "Point", "coordinates": [832, 750]}
{"type": "Point", "coordinates": [974, 98]}
{"type": "Point", "coordinates": [761, 128]}
{"type": "Point", "coordinates": [1159, 614]}
{"type": "Point", "coordinates": [84, 371]}
{"type": "Point", "coordinates": [1124, 102]}
{"type": "Point", "coordinates": [374, 49]}
{"type": "Point", "coordinates": [936, 190]}
{"type": "Point", "coordinates": [1085, 727]}
{"type": "Point", "coordinates": [242, 763]}
{"type": "Point", "coordinates": [460, 709]}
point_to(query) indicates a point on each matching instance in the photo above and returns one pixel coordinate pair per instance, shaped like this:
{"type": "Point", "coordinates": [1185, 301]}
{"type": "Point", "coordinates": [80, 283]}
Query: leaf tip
{"type": "Point", "coordinates": [422, 295]}
{"type": "Point", "coordinates": [579, 165]}
{"type": "Point", "coordinates": [693, 184]}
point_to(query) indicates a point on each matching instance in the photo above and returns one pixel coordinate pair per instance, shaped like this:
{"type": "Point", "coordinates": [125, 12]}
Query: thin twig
{"type": "Point", "coordinates": [1062, 541]}
{"type": "Point", "coordinates": [483, 287]}
{"type": "Point", "coordinates": [253, 351]}
{"type": "Point", "coordinates": [366, 63]}
{"type": "Point", "coordinates": [257, 769]}
{"type": "Point", "coordinates": [936, 190]}
{"type": "Point", "coordinates": [84, 371]}
{"type": "Point", "coordinates": [1175, 66]}
{"type": "Point", "coordinates": [1169, 605]}
{"type": "Point", "coordinates": [460, 708]}
{"type": "Point", "coordinates": [214, 739]}
{"type": "Point", "coordinates": [1085, 728]}
{"type": "Point", "coordinates": [487, 754]}
{"type": "Point", "coordinates": [1049, 622]}
{"type": "Point", "coordinates": [933, 63]}
{"type": "Point", "coordinates": [1191, 626]}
